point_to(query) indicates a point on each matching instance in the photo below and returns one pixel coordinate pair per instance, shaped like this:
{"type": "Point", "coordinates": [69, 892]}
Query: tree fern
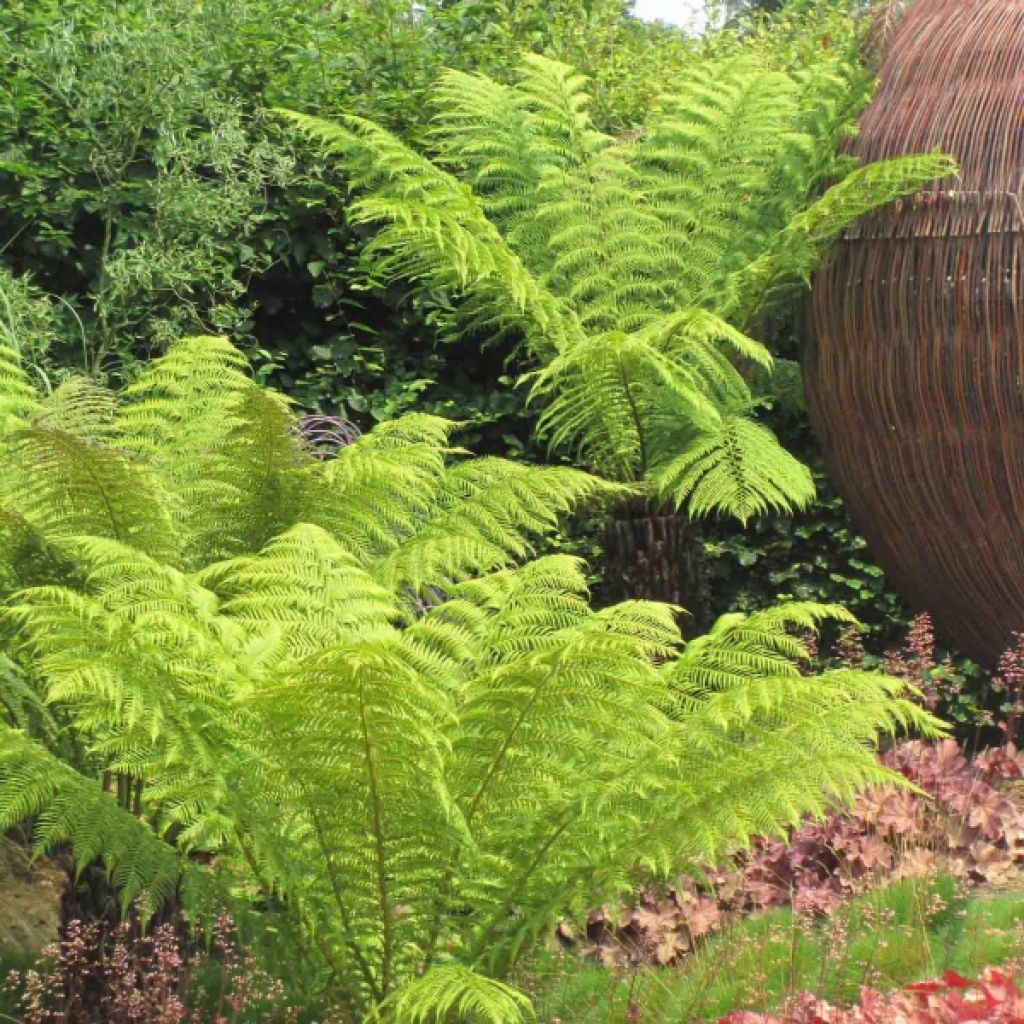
{"type": "Point", "coordinates": [630, 268]}
{"type": "Point", "coordinates": [386, 723]}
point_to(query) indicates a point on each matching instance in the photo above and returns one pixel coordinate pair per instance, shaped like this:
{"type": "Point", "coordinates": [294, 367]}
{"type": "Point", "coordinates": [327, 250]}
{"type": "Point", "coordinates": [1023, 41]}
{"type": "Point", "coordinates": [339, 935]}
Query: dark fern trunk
{"type": "Point", "coordinates": [656, 558]}
{"type": "Point", "coordinates": [89, 897]}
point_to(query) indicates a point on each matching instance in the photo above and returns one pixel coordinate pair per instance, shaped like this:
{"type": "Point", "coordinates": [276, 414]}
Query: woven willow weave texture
{"type": "Point", "coordinates": [915, 355]}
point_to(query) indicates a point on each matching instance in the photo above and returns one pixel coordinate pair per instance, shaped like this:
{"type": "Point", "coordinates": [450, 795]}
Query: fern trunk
{"type": "Point", "coordinates": [88, 896]}
{"type": "Point", "coordinates": [656, 558]}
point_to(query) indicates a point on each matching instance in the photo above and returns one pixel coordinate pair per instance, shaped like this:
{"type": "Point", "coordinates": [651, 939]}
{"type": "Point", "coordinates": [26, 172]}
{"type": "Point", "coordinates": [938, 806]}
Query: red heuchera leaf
{"type": "Point", "coordinates": [954, 980]}
{"type": "Point", "coordinates": [927, 987]}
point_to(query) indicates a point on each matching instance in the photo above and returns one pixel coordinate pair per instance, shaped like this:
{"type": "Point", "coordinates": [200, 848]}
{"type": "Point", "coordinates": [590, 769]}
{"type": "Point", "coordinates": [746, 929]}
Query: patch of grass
{"type": "Point", "coordinates": [906, 931]}
{"type": "Point", "coordinates": [987, 931]}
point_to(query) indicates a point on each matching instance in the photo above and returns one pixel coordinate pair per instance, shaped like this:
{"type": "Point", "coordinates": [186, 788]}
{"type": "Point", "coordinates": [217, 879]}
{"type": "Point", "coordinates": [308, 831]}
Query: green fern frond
{"type": "Point", "coordinates": [18, 398]}
{"type": "Point", "coordinates": [69, 808]}
{"type": "Point", "coordinates": [225, 448]}
{"type": "Point", "coordinates": [655, 626]}
{"type": "Point", "coordinates": [526, 611]}
{"type": "Point", "coordinates": [268, 469]}
{"type": "Point", "coordinates": [65, 485]}
{"type": "Point", "coordinates": [454, 992]}
{"type": "Point", "coordinates": [712, 155]}
{"type": "Point", "coordinates": [62, 470]}
{"type": "Point", "coordinates": [738, 469]}
{"type": "Point", "coordinates": [308, 586]}
{"type": "Point", "coordinates": [359, 713]}
{"type": "Point", "coordinates": [433, 230]}
{"type": "Point", "coordinates": [488, 141]}
{"type": "Point", "coordinates": [81, 408]}
{"type": "Point", "coordinates": [603, 393]}
{"type": "Point", "coordinates": [630, 268]}
{"type": "Point", "coordinates": [21, 705]}
{"type": "Point", "coordinates": [794, 253]}
{"type": "Point", "coordinates": [482, 517]}
{"type": "Point", "coordinates": [554, 95]}
{"type": "Point", "coordinates": [374, 492]}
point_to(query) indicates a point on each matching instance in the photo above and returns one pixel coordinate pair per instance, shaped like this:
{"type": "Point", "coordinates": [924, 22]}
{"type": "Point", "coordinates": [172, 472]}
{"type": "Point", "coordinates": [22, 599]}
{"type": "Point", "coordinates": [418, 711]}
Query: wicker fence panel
{"type": "Point", "coordinates": [914, 366]}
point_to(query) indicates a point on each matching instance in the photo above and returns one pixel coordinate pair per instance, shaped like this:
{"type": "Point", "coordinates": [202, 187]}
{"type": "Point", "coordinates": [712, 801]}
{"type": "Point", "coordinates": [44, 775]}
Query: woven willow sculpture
{"type": "Point", "coordinates": [915, 366]}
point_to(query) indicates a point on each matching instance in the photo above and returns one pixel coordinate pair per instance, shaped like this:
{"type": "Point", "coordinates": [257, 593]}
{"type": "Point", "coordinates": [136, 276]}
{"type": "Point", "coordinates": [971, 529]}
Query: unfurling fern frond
{"type": "Point", "coordinates": [596, 252]}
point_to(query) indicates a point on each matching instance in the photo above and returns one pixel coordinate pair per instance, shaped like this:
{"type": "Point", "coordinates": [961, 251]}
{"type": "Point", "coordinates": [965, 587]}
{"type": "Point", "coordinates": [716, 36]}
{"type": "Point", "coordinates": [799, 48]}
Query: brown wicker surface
{"type": "Point", "coordinates": [915, 360]}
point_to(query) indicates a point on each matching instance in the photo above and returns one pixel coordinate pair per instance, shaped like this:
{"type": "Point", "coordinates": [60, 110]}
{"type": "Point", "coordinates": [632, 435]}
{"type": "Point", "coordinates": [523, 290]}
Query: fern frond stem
{"type": "Point", "coordinates": [437, 912]}
{"type": "Point", "coordinates": [124, 791]}
{"type": "Point", "coordinates": [516, 891]}
{"type": "Point", "coordinates": [63, 727]}
{"type": "Point", "coordinates": [492, 770]}
{"type": "Point", "coordinates": [339, 902]}
{"type": "Point", "coordinates": [383, 896]}
{"type": "Point", "coordinates": [108, 506]}
{"type": "Point", "coordinates": [333, 973]}
{"type": "Point", "coordinates": [12, 715]}
{"type": "Point", "coordinates": [257, 873]}
{"type": "Point", "coordinates": [499, 758]}
{"type": "Point", "coordinates": [634, 411]}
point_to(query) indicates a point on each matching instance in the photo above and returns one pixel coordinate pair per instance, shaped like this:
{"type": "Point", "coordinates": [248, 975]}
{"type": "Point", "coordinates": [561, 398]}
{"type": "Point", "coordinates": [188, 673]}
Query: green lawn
{"type": "Point", "coordinates": [899, 934]}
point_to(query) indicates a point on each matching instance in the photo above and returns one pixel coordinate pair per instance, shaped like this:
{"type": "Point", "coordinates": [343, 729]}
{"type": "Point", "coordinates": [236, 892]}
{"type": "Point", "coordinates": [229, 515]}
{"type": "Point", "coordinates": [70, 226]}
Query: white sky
{"type": "Point", "coordinates": [676, 12]}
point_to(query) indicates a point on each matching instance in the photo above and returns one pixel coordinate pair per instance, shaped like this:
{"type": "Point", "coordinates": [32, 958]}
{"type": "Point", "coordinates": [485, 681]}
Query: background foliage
{"type": "Point", "coordinates": [196, 692]}
{"type": "Point", "coordinates": [177, 206]}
